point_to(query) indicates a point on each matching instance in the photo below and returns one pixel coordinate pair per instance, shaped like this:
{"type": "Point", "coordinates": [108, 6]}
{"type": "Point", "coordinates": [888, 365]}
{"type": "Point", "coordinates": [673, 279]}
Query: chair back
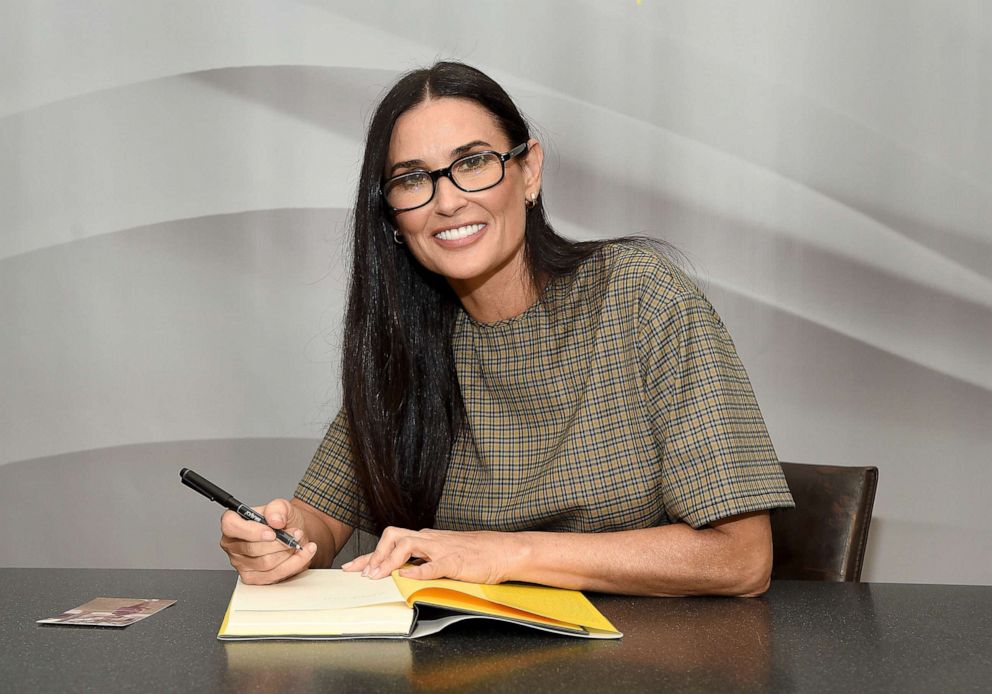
{"type": "Point", "coordinates": [823, 538]}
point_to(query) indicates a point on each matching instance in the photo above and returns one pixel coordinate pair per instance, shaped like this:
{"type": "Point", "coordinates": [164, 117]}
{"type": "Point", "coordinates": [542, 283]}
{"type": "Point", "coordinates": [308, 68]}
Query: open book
{"type": "Point", "coordinates": [334, 604]}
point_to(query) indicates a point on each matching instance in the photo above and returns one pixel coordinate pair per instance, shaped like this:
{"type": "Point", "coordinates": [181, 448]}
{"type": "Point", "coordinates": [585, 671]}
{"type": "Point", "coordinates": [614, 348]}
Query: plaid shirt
{"type": "Point", "coordinates": [616, 402]}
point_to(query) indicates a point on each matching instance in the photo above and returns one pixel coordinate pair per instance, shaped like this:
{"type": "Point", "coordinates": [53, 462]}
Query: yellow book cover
{"type": "Point", "coordinates": [334, 604]}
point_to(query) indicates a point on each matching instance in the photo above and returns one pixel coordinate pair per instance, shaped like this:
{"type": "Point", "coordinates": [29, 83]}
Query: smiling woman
{"type": "Point", "coordinates": [518, 406]}
{"type": "Point", "coordinates": [467, 220]}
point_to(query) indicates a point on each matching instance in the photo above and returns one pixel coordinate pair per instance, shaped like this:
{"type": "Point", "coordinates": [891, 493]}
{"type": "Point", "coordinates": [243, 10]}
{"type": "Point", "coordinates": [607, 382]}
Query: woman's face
{"type": "Point", "coordinates": [432, 135]}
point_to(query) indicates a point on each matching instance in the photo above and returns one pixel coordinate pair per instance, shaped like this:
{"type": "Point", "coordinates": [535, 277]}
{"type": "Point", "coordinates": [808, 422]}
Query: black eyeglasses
{"type": "Point", "coordinates": [471, 173]}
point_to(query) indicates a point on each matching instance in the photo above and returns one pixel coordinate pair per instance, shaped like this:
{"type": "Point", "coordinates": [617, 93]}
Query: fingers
{"type": "Point", "coordinates": [257, 549]}
{"type": "Point", "coordinates": [357, 564]}
{"type": "Point", "coordinates": [234, 528]}
{"type": "Point", "coordinates": [395, 548]}
{"type": "Point", "coordinates": [403, 550]}
{"type": "Point", "coordinates": [465, 556]}
{"type": "Point", "coordinates": [424, 572]}
{"type": "Point", "coordinates": [269, 562]}
{"type": "Point", "coordinates": [277, 512]}
{"type": "Point", "coordinates": [253, 549]}
{"type": "Point", "coordinates": [367, 563]}
{"type": "Point", "coordinates": [427, 571]}
{"type": "Point", "coordinates": [292, 564]}
{"type": "Point", "coordinates": [392, 543]}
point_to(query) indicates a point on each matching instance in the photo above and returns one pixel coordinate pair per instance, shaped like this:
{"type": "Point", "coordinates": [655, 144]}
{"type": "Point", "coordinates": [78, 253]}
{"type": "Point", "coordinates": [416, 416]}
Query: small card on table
{"type": "Point", "coordinates": [110, 612]}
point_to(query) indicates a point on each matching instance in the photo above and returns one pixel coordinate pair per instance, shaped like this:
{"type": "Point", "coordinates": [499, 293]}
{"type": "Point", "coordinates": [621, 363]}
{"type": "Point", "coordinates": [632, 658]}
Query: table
{"type": "Point", "coordinates": [800, 636]}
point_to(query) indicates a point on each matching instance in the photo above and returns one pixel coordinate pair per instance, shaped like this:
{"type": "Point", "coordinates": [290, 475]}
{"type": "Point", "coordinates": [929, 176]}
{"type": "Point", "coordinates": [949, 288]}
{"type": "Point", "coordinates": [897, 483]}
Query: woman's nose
{"type": "Point", "coordinates": [448, 198]}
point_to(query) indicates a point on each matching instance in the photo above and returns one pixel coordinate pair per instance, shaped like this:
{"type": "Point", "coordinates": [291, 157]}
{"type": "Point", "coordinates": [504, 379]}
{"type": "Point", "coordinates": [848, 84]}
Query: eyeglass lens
{"type": "Point", "coordinates": [472, 173]}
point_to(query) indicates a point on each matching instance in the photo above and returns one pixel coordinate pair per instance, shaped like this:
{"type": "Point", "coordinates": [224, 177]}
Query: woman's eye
{"type": "Point", "coordinates": [412, 182]}
{"type": "Point", "coordinates": [472, 163]}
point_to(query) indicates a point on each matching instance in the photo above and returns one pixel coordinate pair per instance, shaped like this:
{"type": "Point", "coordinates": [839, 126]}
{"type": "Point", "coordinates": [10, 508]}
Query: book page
{"type": "Point", "coordinates": [463, 602]}
{"type": "Point", "coordinates": [316, 589]}
{"type": "Point", "coordinates": [569, 606]}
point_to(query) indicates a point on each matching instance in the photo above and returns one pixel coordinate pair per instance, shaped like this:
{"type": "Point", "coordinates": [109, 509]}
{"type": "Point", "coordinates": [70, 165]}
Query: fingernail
{"type": "Point", "coordinates": [375, 572]}
{"type": "Point", "coordinates": [365, 571]}
{"type": "Point", "coordinates": [312, 547]}
{"type": "Point", "coordinates": [298, 534]}
{"type": "Point", "coordinates": [275, 518]}
{"type": "Point", "coordinates": [268, 535]}
{"type": "Point", "coordinates": [347, 564]}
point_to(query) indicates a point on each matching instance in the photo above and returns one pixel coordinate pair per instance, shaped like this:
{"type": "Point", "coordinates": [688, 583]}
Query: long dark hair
{"type": "Point", "coordinates": [401, 391]}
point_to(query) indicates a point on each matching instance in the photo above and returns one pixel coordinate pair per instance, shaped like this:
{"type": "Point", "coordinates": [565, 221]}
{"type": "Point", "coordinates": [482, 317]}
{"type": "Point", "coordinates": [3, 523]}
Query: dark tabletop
{"type": "Point", "coordinates": [801, 636]}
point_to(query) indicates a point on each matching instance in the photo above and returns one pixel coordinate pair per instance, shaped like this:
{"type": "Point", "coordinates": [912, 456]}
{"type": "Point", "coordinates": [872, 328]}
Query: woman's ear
{"type": "Point", "coordinates": [531, 165]}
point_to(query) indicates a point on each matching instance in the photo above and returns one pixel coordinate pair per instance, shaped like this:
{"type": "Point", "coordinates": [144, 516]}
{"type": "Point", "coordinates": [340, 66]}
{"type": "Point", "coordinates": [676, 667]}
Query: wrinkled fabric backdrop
{"type": "Point", "coordinates": [176, 179]}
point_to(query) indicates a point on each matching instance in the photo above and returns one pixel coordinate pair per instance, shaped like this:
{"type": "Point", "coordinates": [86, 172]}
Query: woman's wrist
{"type": "Point", "coordinates": [516, 554]}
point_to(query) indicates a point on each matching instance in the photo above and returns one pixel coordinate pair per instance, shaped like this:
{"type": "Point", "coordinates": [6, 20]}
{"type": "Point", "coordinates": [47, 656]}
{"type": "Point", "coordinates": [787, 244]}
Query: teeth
{"type": "Point", "coordinates": [460, 232]}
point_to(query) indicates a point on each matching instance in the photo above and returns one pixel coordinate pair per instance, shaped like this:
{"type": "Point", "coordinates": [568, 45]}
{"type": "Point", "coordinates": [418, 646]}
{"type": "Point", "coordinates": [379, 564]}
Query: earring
{"type": "Point", "coordinates": [397, 239]}
{"type": "Point", "coordinates": [529, 203]}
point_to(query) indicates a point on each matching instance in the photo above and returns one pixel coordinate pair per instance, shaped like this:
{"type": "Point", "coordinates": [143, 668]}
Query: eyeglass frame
{"type": "Point", "coordinates": [503, 157]}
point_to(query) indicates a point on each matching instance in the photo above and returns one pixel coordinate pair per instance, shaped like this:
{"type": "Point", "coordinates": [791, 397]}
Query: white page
{"type": "Point", "coordinates": [316, 589]}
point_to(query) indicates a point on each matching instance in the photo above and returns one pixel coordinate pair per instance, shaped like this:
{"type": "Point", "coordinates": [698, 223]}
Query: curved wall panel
{"type": "Point", "coordinates": [175, 186]}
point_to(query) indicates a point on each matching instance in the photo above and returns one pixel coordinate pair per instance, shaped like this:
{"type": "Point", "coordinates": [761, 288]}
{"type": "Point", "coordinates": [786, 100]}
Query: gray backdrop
{"type": "Point", "coordinates": [175, 182]}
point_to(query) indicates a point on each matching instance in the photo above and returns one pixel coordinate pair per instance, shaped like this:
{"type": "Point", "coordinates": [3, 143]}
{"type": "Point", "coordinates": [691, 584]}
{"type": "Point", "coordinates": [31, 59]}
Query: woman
{"type": "Point", "coordinates": [572, 414]}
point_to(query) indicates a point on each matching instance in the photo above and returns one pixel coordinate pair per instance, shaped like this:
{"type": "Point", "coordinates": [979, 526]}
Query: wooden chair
{"type": "Point", "coordinates": [823, 538]}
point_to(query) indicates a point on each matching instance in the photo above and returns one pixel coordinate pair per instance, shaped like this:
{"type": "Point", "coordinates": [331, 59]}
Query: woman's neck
{"type": "Point", "coordinates": [507, 293]}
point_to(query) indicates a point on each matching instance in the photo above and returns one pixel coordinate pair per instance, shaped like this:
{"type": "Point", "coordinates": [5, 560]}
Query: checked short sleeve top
{"type": "Point", "coordinates": [616, 402]}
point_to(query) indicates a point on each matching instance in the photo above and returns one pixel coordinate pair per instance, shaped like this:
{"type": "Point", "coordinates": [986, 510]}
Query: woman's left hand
{"type": "Point", "coordinates": [479, 557]}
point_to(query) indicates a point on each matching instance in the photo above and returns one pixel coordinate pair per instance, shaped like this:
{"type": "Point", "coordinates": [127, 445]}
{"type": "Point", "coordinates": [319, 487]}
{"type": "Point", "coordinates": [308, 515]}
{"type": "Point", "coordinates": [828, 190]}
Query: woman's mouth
{"type": "Point", "coordinates": [459, 232]}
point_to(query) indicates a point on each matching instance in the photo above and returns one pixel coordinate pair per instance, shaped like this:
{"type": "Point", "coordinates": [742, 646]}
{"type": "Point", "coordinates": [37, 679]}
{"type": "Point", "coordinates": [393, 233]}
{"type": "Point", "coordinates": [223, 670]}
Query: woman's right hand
{"type": "Point", "coordinates": [254, 550]}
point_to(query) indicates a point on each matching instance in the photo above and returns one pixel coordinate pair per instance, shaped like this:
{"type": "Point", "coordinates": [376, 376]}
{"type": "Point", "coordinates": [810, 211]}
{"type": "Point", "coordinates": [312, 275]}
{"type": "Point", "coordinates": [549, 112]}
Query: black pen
{"type": "Point", "coordinates": [215, 493]}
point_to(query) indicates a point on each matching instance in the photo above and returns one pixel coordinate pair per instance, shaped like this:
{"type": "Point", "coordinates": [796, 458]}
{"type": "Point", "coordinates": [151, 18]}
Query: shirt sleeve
{"type": "Point", "coordinates": [330, 483]}
{"type": "Point", "coordinates": [717, 458]}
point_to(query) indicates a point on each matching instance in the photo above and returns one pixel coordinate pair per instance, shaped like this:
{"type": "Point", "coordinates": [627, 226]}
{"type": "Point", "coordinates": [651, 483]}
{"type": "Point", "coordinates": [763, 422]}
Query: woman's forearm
{"type": "Point", "coordinates": [731, 558]}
